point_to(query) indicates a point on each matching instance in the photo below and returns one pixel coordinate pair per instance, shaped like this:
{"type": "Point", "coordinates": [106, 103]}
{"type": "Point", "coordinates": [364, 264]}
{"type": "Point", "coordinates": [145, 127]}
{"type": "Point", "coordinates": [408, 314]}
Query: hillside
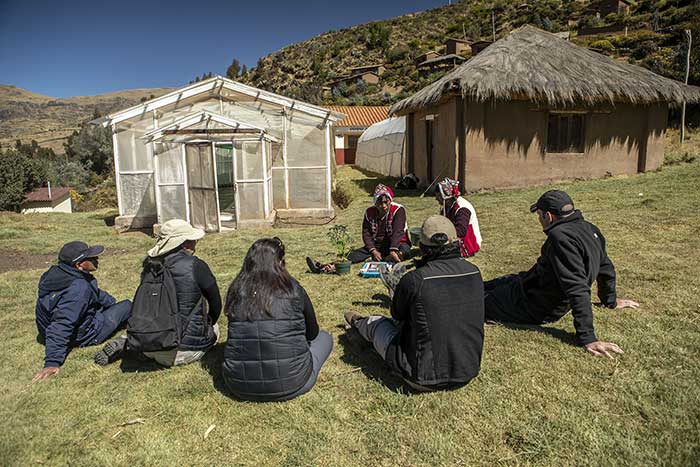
{"type": "Point", "coordinates": [655, 40]}
{"type": "Point", "coordinates": [26, 115]}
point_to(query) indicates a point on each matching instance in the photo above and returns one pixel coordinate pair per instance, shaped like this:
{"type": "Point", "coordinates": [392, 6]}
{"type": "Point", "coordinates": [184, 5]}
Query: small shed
{"type": "Point", "coordinates": [347, 131]}
{"type": "Point", "coordinates": [381, 148]}
{"type": "Point", "coordinates": [457, 46]}
{"type": "Point", "coordinates": [533, 108]}
{"type": "Point", "coordinates": [221, 154]}
{"type": "Point", "coordinates": [442, 63]}
{"type": "Point", "coordinates": [48, 199]}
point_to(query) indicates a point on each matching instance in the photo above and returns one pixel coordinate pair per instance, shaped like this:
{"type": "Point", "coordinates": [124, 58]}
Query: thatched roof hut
{"type": "Point", "coordinates": [536, 65]}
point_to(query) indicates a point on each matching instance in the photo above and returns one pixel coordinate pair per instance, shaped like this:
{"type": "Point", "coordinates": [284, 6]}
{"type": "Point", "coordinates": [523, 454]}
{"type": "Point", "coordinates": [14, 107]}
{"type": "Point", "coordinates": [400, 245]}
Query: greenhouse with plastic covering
{"type": "Point", "coordinates": [381, 148]}
{"type": "Point", "coordinates": [221, 155]}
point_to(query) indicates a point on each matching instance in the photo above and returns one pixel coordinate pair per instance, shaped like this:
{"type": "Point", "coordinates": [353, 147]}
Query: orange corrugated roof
{"type": "Point", "coordinates": [361, 115]}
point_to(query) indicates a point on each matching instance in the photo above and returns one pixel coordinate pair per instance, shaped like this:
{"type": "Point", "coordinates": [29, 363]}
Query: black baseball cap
{"type": "Point", "coordinates": [554, 201]}
{"type": "Point", "coordinates": [74, 252]}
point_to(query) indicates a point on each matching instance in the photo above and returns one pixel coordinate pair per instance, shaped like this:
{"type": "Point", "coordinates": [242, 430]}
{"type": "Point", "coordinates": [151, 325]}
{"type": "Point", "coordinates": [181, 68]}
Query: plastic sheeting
{"type": "Point", "coordinates": [138, 195]}
{"type": "Point", "coordinates": [380, 149]}
{"type": "Point", "coordinates": [303, 142]}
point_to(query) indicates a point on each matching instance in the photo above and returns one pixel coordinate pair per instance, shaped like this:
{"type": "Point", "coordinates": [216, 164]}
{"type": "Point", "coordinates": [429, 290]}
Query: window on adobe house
{"type": "Point", "coordinates": [565, 132]}
{"type": "Point", "coordinates": [352, 141]}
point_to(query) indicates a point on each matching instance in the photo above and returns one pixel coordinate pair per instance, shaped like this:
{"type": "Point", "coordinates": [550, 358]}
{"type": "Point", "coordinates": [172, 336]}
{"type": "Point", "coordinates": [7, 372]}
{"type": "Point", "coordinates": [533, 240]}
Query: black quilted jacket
{"type": "Point", "coordinates": [269, 358]}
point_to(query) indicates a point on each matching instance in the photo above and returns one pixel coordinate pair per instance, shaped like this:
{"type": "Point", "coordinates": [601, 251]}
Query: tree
{"type": "Point", "coordinates": [92, 147]}
{"type": "Point", "coordinates": [19, 174]}
{"type": "Point", "coordinates": [377, 36]}
{"type": "Point", "coordinates": [233, 69]}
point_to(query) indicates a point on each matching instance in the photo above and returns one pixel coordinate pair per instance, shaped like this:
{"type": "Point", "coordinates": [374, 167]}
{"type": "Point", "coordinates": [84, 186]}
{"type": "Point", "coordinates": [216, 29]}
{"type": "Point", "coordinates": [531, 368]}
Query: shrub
{"type": "Point", "coordinates": [377, 36]}
{"type": "Point", "coordinates": [603, 45]}
{"type": "Point", "coordinates": [397, 53]}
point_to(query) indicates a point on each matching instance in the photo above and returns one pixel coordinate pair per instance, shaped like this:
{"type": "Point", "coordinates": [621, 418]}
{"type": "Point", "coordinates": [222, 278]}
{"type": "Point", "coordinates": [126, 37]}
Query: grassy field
{"type": "Point", "coordinates": [538, 400]}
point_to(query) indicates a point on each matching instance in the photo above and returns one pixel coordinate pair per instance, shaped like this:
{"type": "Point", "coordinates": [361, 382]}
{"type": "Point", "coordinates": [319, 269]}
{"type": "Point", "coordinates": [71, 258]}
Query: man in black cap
{"type": "Point", "coordinates": [572, 257]}
{"type": "Point", "coordinates": [71, 311]}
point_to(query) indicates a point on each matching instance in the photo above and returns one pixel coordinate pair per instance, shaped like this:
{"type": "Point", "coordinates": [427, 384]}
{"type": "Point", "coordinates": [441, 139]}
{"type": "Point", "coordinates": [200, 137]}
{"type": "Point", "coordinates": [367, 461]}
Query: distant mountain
{"type": "Point", "coordinates": [27, 115]}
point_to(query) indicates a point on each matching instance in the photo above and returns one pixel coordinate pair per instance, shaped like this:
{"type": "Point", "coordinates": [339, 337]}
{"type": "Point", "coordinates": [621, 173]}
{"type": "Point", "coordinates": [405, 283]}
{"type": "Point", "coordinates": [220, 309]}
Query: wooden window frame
{"type": "Point", "coordinates": [565, 143]}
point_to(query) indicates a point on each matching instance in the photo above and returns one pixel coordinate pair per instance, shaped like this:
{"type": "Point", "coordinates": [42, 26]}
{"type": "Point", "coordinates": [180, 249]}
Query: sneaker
{"type": "Point", "coordinates": [110, 352]}
{"type": "Point", "coordinates": [352, 316]}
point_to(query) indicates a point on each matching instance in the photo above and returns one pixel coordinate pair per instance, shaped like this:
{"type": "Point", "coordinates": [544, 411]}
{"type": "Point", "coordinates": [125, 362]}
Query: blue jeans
{"type": "Point", "coordinates": [320, 350]}
{"type": "Point", "coordinates": [115, 318]}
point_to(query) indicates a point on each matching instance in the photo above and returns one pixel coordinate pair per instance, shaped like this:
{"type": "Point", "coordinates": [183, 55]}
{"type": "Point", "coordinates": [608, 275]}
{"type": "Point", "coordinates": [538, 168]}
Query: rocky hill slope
{"type": "Point", "coordinates": [655, 39]}
{"type": "Point", "coordinates": [29, 116]}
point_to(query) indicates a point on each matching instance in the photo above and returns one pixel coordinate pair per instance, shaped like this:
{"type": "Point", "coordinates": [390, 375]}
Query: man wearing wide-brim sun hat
{"type": "Point", "coordinates": [196, 288]}
{"type": "Point", "coordinates": [435, 335]}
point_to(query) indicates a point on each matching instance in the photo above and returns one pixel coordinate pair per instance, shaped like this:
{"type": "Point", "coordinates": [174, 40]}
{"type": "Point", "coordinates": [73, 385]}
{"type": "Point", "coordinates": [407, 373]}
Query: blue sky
{"type": "Point", "coordinates": [69, 48]}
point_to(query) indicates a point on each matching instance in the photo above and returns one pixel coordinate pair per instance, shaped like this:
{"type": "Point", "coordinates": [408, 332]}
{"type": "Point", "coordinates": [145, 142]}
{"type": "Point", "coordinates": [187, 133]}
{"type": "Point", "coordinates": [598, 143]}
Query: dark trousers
{"type": "Point", "coordinates": [363, 254]}
{"type": "Point", "coordinates": [505, 302]}
{"type": "Point", "coordinates": [320, 349]}
{"type": "Point", "coordinates": [115, 318]}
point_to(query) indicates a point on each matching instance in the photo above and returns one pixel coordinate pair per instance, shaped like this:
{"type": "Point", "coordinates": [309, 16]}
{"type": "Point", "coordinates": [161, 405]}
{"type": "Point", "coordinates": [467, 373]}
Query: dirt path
{"type": "Point", "coordinates": [13, 260]}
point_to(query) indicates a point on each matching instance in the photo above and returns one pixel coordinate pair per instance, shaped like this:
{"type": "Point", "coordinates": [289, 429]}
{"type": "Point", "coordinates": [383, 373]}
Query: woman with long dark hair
{"type": "Point", "coordinates": [275, 349]}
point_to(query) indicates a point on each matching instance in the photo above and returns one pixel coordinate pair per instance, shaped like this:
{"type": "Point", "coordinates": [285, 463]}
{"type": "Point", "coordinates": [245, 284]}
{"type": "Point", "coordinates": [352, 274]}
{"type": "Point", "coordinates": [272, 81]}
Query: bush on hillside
{"type": "Point", "coordinates": [377, 36]}
{"type": "Point", "coordinates": [603, 45]}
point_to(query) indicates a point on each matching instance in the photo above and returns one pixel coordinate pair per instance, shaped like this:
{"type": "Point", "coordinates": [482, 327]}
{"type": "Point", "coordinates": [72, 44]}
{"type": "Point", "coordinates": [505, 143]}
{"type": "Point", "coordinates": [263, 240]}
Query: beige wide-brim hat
{"type": "Point", "coordinates": [437, 225]}
{"type": "Point", "coordinates": [173, 234]}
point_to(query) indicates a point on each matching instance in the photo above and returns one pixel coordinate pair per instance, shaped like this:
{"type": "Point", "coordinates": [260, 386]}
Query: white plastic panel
{"type": "Point", "coordinates": [170, 166]}
{"type": "Point", "coordinates": [249, 163]}
{"type": "Point", "coordinates": [278, 191]}
{"type": "Point", "coordinates": [172, 203]}
{"type": "Point", "coordinates": [307, 188]}
{"type": "Point", "coordinates": [251, 201]}
{"type": "Point", "coordinates": [138, 195]}
{"type": "Point", "coordinates": [306, 143]}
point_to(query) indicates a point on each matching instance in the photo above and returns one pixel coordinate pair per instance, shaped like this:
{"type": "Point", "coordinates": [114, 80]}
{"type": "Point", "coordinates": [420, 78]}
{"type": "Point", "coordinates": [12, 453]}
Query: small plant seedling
{"type": "Point", "coordinates": [340, 238]}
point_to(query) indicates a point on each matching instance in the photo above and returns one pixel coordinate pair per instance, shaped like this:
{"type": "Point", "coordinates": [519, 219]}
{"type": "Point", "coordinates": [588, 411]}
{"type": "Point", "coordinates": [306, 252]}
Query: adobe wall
{"type": "Point", "coordinates": [444, 163]}
{"type": "Point", "coordinates": [505, 144]}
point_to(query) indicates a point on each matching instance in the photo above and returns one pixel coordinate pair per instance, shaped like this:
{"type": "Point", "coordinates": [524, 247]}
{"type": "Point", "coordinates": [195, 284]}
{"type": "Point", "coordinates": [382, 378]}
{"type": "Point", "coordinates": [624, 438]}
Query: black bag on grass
{"type": "Point", "coordinates": [153, 324]}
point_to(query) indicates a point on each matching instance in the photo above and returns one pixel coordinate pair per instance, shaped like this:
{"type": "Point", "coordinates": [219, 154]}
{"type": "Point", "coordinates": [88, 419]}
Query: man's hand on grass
{"type": "Point", "coordinates": [599, 348]}
{"type": "Point", "coordinates": [624, 303]}
{"type": "Point", "coordinates": [46, 372]}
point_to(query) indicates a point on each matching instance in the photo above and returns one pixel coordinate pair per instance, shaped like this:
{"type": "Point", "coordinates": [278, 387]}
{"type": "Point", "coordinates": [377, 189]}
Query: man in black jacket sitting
{"type": "Point", "coordinates": [572, 257]}
{"type": "Point", "coordinates": [435, 336]}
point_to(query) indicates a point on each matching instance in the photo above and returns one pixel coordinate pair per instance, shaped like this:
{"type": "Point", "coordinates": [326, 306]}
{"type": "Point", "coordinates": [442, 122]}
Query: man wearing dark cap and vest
{"type": "Point", "coordinates": [435, 335]}
{"type": "Point", "coordinates": [71, 311]}
{"type": "Point", "coordinates": [572, 257]}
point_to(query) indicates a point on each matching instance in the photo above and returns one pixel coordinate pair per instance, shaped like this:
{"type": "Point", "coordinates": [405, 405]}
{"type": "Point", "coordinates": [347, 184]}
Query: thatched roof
{"type": "Point", "coordinates": [533, 64]}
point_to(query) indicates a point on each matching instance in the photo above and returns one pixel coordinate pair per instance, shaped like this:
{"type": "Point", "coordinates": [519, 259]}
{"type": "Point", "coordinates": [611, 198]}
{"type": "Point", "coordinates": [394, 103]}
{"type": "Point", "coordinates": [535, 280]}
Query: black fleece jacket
{"type": "Point", "coordinates": [573, 256]}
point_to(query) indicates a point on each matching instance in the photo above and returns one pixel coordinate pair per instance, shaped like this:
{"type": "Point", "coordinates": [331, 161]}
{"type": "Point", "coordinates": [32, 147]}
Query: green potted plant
{"type": "Point", "coordinates": [340, 239]}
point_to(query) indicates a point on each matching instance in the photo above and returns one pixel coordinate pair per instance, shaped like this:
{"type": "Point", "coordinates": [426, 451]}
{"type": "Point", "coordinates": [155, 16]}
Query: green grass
{"type": "Point", "coordinates": [538, 399]}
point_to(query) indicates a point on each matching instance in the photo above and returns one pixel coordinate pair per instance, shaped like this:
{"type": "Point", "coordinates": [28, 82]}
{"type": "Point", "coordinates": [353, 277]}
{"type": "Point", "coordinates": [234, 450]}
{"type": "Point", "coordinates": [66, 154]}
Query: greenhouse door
{"type": "Point", "coordinates": [226, 185]}
{"type": "Point", "coordinates": [201, 186]}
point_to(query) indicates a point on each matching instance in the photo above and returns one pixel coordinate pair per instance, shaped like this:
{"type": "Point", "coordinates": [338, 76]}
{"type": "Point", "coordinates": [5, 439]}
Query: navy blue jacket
{"type": "Point", "coordinates": [68, 311]}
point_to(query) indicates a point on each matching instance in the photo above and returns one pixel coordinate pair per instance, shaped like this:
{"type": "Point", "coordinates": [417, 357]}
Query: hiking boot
{"type": "Point", "coordinates": [391, 277]}
{"type": "Point", "coordinates": [110, 352]}
{"type": "Point", "coordinates": [314, 266]}
{"type": "Point", "coordinates": [318, 268]}
{"type": "Point", "coordinates": [352, 316]}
